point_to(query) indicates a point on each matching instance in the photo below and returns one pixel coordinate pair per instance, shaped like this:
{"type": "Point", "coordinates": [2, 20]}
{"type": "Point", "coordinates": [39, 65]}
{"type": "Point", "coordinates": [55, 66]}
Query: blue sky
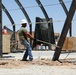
{"type": "Point", "coordinates": [54, 11]}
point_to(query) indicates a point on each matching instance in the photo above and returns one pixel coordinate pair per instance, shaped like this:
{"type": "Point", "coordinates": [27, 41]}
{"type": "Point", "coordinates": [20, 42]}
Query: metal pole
{"type": "Point", "coordinates": [65, 30]}
{"type": "Point", "coordinates": [27, 17]}
{"type": "Point", "coordinates": [66, 12]}
{"type": "Point", "coordinates": [0, 28]}
{"type": "Point", "coordinates": [11, 20]}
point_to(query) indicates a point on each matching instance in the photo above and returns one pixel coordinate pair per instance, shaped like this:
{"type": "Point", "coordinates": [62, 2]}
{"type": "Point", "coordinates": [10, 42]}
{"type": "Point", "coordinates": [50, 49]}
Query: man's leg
{"type": "Point", "coordinates": [25, 55]}
{"type": "Point", "coordinates": [30, 53]}
{"type": "Point", "coordinates": [29, 50]}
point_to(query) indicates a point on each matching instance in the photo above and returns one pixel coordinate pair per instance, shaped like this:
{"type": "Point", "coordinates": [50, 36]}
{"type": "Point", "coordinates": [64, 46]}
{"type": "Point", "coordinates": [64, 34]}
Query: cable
{"type": "Point", "coordinates": [67, 55]}
{"type": "Point", "coordinates": [55, 21]}
{"type": "Point", "coordinates": [69, 52]}
{"type": "Point", "coordinates": [47, 43]}
{"type": "Point", "coordinates": [38, 6]}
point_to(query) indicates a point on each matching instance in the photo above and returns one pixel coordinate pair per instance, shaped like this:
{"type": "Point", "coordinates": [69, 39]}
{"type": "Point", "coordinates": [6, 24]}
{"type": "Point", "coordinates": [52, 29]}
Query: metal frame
{"type": "Point", "coordinates": [43, 10]}
{"type": "Point", "coordinates": [0, 28]}
{"type": "Point", "coordinates": [64, 31]}
{"type": "Point", "coordinates": [27, 17]}
{"type": "Point", "coordinates": [10, 18]}
{"type": "Point", "coordinates": [50, 25]}
{"type": "Point", "coordinates": [66, 12]}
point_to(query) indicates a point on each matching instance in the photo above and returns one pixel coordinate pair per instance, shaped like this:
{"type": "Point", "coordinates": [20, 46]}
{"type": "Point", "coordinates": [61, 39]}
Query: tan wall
{"type": "Point", "coordinates": [6, 44]}
{"type": "Point", "coordinates": [70, 43]}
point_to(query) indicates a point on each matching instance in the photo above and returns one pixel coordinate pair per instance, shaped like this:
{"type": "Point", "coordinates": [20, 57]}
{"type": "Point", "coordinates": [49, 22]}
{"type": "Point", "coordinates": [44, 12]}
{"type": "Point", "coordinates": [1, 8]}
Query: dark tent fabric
{"type": "Point", "coordinates": [41, 32]}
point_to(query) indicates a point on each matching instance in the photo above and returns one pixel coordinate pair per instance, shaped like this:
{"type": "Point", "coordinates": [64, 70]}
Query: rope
{"type": "Point", "coordinates": [55, 21]}
{"type": "Point", "coordinates": [48, 43]}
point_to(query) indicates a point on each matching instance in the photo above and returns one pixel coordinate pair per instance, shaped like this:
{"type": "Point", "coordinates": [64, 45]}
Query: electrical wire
{"type": "Point", "coordinates": [38, 6]}
{"type": "Point", "coordinates": [55, 21]}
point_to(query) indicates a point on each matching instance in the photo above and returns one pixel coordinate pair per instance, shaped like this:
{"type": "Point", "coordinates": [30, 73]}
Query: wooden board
{"type": "Point", "coordinates": [6, 44]}
{"type": "Point", "coordinates": [70, 43]}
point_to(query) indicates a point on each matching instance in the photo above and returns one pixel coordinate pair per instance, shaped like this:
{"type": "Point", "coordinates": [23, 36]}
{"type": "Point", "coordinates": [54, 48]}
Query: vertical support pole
{"type": "Point", "coordinates": [49, 35]}
{"type": "Point", "coordinates": [65, 30]}
{"type": "Point", "coordinates": [0, 28]}
{"type": "Point", "coordinates": [66, 12]}
{"type": "Point", "coordinates": [30, 33]}
{"type": "Point", "coordinates": [51, 32]}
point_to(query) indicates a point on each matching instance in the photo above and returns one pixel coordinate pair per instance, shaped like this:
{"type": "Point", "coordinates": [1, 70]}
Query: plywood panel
{"type": "Point", "coordinates": [65, 44]}
{"type": "Point", "coordinates": [70, 43]}
{"type": "Point", "coordinates": [6, 44]}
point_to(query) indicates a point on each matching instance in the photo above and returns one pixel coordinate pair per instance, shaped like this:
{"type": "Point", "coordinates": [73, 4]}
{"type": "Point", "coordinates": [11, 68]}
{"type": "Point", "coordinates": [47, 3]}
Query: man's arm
{"type": "Point", "coordinates": [29, 35]}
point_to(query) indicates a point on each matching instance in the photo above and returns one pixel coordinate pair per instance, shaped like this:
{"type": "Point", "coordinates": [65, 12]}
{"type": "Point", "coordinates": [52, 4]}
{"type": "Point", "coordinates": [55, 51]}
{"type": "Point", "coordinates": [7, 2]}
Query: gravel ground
{"type": "Point", "coordinates": [39, 70]}
{"type": "Point", "coordinates": [37, 67]}
{"type": "Point", "coordinates": [41, 65]}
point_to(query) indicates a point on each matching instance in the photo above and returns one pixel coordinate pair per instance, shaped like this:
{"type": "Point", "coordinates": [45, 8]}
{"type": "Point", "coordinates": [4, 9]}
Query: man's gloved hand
{"type": "Point", "coordinates": [35, 39]}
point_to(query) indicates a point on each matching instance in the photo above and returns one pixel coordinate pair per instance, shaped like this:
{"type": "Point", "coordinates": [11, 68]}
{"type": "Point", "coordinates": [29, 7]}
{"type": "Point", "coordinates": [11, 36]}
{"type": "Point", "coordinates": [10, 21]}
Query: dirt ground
{"type": "Point", "coordinates": [42, 64]}
{"type": "Point", "coordinates": [12, 63]}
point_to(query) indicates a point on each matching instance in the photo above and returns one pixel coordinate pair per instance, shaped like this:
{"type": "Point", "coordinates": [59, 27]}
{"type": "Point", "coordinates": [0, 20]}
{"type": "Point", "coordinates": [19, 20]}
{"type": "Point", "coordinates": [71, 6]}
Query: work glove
{"type": "Point", "coordinates": [35, 39]}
